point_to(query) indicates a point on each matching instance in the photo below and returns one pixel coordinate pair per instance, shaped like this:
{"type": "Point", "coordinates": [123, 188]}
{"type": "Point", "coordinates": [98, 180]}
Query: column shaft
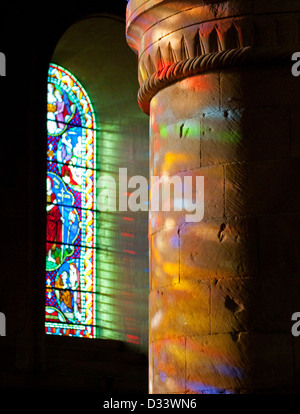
{"type": "Point", "coordinates": [216, 81]}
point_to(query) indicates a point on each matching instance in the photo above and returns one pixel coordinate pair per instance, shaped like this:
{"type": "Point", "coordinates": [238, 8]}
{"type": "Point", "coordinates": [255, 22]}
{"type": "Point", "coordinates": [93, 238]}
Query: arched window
{"type": "Point", "coordinates": [71, 208]}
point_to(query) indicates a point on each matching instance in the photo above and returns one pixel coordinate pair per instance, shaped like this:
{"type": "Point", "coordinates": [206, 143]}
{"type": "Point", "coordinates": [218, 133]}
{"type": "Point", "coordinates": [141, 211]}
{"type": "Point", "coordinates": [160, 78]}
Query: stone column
{"type": "Point", "coordinates": [215, 78]}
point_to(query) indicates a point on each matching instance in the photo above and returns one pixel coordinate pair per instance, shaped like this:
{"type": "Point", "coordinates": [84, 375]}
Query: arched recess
{"type": "Point", "coordinates": [94, 51]}
{"type": "Point", "coordinates": [31, 359]}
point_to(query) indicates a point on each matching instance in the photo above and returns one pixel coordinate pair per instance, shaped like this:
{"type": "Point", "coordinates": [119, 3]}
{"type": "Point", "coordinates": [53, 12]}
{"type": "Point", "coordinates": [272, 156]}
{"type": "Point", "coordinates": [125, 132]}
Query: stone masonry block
{"type": "Point", "coordinates": [180, 310]}
{"type": "Point", "coordinates": [167, 366]}
{"type": "Point", "coordinates": [213, 199]}
{"type": "Point", "coordinates": [247, 88]}
{"type": "Point", "coordinates": [263, 138]}
{"type": "Point", "coordinates": [221, 138]}
{"type": "Point", "coordinates": [185, 99]}
{"type": "Point", "coordinates": [229, 305]}
{"type": "Point", "coordinates": [218, 249]}
{"type": "Point", "coordinates": [226, 363]}
{"type": "Point", "coordinates": [241, 135]}
{"type": "Point", "coordinates": [253, 305]}
{"type": "Point", "coordinates": [175, 148]}
{"type": "Point", "coordinates": [164, 257]}
{"type": "Point", "coordinates": [216, 364]}
{"type": "Point", "coordinates": [213, 190]}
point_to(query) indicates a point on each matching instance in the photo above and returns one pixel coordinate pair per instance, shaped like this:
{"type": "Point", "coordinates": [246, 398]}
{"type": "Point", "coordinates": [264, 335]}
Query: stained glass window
{"type": "Point", "coordinates": [71, 213]}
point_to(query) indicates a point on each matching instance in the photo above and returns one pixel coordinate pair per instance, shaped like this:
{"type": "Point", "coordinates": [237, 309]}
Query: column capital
{"type": "Point", "coordinates": [175, 39]}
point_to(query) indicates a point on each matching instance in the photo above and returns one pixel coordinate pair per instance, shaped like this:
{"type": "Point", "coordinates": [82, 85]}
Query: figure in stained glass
{"type": "Point", "coordinates": [65, 148]}
{"type": "Point", "coordinates": [54, 222]}
{"type": "Point", "coordinates": [75, 284]}
{"type": "Point", "coordinates": [62, 222]}
{"type": "Point", "coordinates": [50, 153]}
{"type": "Point", "coordinates": [69, 154]}
{"type": "Point", "coordinates": [51, 108]}
{"type": "Point", "coordinates": [63, 293]}
{"type": "Point", "coordinates": [60, 109]}
{"type": "Point", "coordinates": [67, 291]}
{"type": "Point", "coordinates": [60, 112]}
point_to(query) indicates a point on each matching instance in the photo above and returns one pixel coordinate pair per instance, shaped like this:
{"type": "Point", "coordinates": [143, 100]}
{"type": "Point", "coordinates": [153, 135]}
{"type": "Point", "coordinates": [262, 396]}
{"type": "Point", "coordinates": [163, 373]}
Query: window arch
{"type": "Point", "coordinates": [70, 307]}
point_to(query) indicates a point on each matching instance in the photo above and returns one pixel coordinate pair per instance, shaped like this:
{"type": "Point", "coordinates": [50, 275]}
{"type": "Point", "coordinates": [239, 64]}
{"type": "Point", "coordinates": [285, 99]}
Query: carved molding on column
{"type": "Point", "coordinates": [177, 39]}
{"type": "Point", "coordinates": [245, 56]}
